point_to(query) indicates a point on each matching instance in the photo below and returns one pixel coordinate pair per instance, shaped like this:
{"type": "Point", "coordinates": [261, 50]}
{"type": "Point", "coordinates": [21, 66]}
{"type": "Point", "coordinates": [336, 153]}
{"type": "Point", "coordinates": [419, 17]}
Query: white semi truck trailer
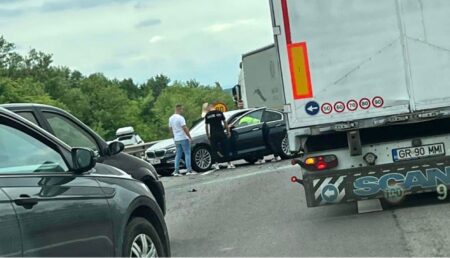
{"type": "Point", "coordinates": [367, 95]}
{"type": "Point", "coordinates": [260, 83]}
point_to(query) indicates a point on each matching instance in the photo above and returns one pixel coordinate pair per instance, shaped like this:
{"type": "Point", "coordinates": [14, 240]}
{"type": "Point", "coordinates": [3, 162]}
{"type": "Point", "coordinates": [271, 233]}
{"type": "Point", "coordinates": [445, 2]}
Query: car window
{"type": "Point", "coordinates": [29, 116]}
{"type": "Point", "coordinates": [270, 116]}
{"type": "Point", "coordinates": [236, 116]}
{"type": "Point", "coordinates": [250, 119]}
{"type": "Point", "coordinates": [21, 153]}
{"type": "Point", "coordinates": [69, 132]}
{"type": "Point", "coordinates": [199, 128]}
{"type": "Point", "coordinates": [124, 138]}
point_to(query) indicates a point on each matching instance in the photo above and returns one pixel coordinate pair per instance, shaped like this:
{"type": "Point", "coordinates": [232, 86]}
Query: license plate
{"type": "Point", "coordinates": [418, 152]}
{"type": "Point", "coordinates": [155, 161]}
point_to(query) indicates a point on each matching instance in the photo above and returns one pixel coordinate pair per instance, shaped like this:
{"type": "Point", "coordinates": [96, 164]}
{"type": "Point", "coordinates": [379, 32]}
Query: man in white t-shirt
{"type": "Point", "coordinates": [182, 139]}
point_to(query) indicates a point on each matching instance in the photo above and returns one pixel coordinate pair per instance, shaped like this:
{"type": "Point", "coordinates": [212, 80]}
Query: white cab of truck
{"type": "Point", "coordinates": [260, 79]}
{"type": "Point", "coordinates": [367, 90]}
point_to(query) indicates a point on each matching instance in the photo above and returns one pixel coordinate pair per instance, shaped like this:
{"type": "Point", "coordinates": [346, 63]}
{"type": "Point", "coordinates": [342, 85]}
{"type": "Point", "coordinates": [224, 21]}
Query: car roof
{"type": "Point", "coordinates": [28, 105]}
{"type": "Point", "coordinates": [233, 112]}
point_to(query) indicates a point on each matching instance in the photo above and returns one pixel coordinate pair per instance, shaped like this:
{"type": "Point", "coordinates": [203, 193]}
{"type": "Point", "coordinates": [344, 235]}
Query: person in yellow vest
{"type": "Point", "coordinates": [248, 120]}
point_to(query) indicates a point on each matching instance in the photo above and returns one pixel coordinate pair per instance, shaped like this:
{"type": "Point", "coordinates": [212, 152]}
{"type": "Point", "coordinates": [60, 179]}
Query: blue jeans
{"type": "Point", "coordinates": [183, 146]}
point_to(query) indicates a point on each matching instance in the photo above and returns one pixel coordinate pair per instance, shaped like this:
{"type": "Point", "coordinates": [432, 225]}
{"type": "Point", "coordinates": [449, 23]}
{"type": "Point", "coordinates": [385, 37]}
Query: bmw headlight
{"type": "Point", "coordinates": [171, 151]}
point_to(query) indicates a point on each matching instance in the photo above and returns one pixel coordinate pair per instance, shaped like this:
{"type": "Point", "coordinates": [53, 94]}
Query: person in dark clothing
{"type": "Point", "coordinates": [218, 132]}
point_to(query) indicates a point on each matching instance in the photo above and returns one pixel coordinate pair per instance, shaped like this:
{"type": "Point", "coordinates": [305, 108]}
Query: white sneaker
{"type": "Point", "coordinates": [216, 166]}
{"type": "Point", "coordinates": [276, 159]}
{"type": "Point", "coordinates": [261, 161]}
{"type": "Point", "coordinates": [231, 166]}
{"type": "Point", "coordinates": [191, 173]}
{"type": "Point", "coordinates": [176, 174]}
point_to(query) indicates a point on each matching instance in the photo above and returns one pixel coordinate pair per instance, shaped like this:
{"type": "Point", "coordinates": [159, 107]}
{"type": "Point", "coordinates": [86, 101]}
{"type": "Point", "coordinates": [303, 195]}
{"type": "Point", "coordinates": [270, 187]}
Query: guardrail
{"type": "Point", "coordinates": [139, 149]}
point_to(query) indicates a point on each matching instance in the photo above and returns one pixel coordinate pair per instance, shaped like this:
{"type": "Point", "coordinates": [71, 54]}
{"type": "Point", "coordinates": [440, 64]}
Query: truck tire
{"type": "Point", "coordinates": [202, 158]}
{"type": "Point", "coordinates": [141, 234]}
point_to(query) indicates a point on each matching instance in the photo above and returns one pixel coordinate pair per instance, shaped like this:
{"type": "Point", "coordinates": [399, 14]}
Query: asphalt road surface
{"type": "Point", "coordinates": [256, 211]}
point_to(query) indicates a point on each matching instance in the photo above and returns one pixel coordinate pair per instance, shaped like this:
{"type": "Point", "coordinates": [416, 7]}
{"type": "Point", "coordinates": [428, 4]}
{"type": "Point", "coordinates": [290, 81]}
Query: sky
{"type": "Point", "coordinates": [183, 39]}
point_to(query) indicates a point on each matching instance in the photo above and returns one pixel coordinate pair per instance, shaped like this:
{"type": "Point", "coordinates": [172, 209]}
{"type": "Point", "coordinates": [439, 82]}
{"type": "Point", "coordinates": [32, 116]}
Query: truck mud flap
{"type": "Point", "coordinates": [391, 181]}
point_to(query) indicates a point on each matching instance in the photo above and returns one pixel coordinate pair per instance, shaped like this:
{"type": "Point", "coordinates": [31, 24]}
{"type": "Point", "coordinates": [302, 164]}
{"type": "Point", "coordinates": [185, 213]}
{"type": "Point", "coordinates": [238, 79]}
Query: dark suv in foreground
{"type": "Point", "coordinates": [76, 134]}
{"type": "Point", "coordinates": [56, 201]}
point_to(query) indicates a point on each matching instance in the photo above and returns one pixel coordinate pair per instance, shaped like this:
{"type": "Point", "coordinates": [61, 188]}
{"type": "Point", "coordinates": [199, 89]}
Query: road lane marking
{"type": "Point", "coordinates": [231, 178]}
{"type": "Point", "coordinates": [209, 172]}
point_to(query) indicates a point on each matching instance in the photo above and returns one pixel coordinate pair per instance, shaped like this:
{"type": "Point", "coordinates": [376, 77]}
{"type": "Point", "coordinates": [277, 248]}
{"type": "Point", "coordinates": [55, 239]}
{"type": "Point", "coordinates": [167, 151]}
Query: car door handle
{"type": "Point", "coordinates": [279, 125]}
{"type": "Point", "coordinates": [26, 201]}
{"type": "Point", "coordinates": [256, 129]}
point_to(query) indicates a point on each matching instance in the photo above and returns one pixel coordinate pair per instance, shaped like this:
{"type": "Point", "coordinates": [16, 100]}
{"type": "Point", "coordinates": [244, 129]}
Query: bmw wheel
{"type": "Point", "coordinates": [285, 153]}
{"type": "Point", "coordinates": [202, 159]}
{"type": "Point", "coordinates": [142, 240]}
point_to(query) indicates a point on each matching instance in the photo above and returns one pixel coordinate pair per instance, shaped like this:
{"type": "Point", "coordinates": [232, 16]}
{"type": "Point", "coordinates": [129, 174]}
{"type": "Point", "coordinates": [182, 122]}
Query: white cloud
{"type": "Point", "coordinates": [155, 39]}
{"type": "Point", "coordinates": [203, 39]}
{"type": "Point", "coordinates": [219, 27]}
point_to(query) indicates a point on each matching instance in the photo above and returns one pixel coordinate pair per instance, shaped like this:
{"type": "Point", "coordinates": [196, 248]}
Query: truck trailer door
{"type": "Point", "coordinates": [427, 40]}
{"type": "Point", "coordinates": [341, 60]}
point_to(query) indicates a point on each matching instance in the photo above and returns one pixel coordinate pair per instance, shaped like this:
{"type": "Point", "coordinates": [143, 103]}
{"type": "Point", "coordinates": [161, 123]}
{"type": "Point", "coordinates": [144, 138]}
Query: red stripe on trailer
{"type": "Point", "coordinates": [287, 25]}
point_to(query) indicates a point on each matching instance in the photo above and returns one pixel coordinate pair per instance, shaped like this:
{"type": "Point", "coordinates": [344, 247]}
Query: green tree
{"type": "Point", "coordinates": [155, 86]}
{"type": "Point", "coordinates": [191, 98]}
{"type": "Point", "coordinates": [103, 104]}
{"type": "Point", "coordinates": [130, 88]}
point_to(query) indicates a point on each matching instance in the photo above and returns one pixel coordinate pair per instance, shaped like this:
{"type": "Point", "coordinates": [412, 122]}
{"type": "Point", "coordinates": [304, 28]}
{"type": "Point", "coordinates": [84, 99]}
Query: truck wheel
{"type": "Point", "coordinates": [285, 153]}
{"type": "Point", "coordinates": [142, 240]}
{"type": "Point", "coordinates": [202, 159]}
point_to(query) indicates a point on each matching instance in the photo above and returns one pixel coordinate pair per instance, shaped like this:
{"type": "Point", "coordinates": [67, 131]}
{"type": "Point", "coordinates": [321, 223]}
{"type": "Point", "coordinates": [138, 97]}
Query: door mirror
{"type": "Point", "coordinates": [83, 159]}
{"type": "Point", "coordinates": [115, 148]}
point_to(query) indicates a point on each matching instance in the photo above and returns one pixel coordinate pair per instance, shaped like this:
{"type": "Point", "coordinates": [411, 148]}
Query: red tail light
{"type": "Point", "coordinates": [319, 163]}
{"type": "Point", "coordinates": [294, 179]}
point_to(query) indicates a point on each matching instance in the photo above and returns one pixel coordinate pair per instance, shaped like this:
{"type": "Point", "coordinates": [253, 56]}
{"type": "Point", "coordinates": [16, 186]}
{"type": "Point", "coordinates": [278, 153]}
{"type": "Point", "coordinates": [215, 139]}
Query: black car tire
{"type": "Point", "coordinates": [251, 160]}
{"type": "Point", "coordinates": [201, 153]}
{"type": "Point", "coordinates": [137, 227]}
{"type": "Point", "coordinates": [284, 149]}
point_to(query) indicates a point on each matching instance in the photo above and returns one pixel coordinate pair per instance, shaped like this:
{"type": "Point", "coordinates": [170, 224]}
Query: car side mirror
{"type": "Point", "coordinates": [83, 159]}
{"type": "Point", "coordinates": [115, 148]}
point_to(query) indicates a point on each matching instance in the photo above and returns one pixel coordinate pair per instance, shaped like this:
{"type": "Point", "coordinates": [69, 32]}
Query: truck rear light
{"type": "Point", "coordinates": [318, 163]}
{"type": "Point", "coordinates": [321, 165]}
{"type": "Point", "coordinates": [310, 161]}
{"type": "Point", "coordinates": [294, 179]}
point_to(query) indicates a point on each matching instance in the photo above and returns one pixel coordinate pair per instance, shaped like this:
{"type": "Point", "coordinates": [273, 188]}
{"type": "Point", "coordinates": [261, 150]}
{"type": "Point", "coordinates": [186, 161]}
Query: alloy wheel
{"type": "Point", "coordinates": [143, 246]}
{"type": "Point", "coordinates": [285, 146]}
{"type": "Point", "coordinates": [203, 158]}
